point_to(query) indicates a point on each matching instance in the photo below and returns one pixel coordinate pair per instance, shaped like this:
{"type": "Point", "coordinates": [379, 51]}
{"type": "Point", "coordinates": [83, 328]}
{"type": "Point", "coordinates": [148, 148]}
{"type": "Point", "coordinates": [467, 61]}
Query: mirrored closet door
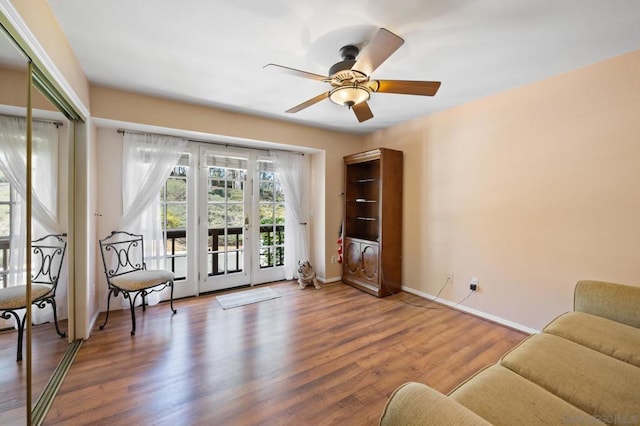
{"type": "Point", "coordinates": [13, 110]}
{"type": "Point", "coordinates": [33, 132]}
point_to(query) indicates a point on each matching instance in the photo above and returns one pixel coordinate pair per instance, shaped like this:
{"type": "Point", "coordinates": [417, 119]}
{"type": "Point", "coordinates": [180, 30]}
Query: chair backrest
{"type": "Point", "coordinates": [122, 252]}
{"type": "Point", "coordinates": [47, 257]}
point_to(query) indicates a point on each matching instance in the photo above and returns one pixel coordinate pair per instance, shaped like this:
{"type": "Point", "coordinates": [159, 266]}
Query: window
{"type": "Point", "coordinates": [226, 217]}
{"type": "Point", "coordinates": [272, 216]}
{"type": "Point", "coordinates": [173, 202]}
{"type": "Point", "coordinates": [7, 200]}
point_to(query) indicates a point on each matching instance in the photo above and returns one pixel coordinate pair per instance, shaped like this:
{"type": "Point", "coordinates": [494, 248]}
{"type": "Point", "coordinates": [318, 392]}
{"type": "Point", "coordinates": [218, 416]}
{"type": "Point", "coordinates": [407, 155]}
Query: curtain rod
{"type": "Point", "coordinates": [38, 120]}
{"type": "Point", "coordinates": [225, 144]}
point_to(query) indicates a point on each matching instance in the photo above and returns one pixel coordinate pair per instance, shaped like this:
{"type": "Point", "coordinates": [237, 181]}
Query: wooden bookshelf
{"type": "Point", "coordinates": [373, 221]}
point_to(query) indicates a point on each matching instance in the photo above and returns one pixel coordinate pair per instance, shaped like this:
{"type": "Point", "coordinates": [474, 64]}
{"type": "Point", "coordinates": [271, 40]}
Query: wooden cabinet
{"type": "Point", "coordinates": [373, 221]}
{"type": "Point", "coordinates": [361, 262]}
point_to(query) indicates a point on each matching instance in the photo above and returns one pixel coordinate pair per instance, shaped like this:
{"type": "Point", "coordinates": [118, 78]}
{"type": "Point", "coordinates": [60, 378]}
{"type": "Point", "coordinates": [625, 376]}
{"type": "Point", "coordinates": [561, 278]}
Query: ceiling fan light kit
{"type": "Point", "coordinates": [349, 95]}
{"type": "Point", "coordinates": [350, 78]}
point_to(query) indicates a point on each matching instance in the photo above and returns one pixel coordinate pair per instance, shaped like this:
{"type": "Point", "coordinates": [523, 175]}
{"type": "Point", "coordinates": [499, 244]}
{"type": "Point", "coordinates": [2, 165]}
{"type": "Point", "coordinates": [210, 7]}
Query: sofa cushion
{"type": "Point", "coordinates": [415, 404]}
{"type": "Point", "coordinates": [609, 300]}
{"type": "Point", "coordinates": [595, 383]}
{"type": "Point", "coordinates": [603, 335]}
{"type": "Point", "coordinates": [502, 397]}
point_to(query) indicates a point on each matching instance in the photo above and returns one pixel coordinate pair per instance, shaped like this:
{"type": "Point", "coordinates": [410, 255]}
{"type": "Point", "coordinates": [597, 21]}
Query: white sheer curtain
{"type": "Point", "coordinates": [44, 194]}
{"type": "Point", "coordinates": [292, 169]}
{"type": "Point", "coordinates": [147, 161]}
{"type": "Point", "coordinates": [44, 191]}
{"type": "Point", "coordinates": [45, 163]}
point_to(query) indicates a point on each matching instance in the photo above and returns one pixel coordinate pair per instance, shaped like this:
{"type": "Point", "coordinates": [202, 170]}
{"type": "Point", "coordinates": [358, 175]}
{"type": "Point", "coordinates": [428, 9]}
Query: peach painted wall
{"type": "Point", "coordinates": [37, 15]}
{"type": "Point", "coordinates": [13, 87]}
{"type": "Point", "coordinates": [326, 203]}
{"type": "Point", "coordinates": [13, 91]}
{"type": "Point", "coordinates": [137, 108]}
{"type": "Point", "coordinates": [529, 191]}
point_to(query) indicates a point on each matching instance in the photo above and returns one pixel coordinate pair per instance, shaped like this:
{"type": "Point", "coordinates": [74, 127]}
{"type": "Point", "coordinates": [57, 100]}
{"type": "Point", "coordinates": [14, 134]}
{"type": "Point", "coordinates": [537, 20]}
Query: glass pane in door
{"type": "Point", "coordinates": [225, 216]}
{"type": "Point", "coordinates": [271, 216]}
{"type": "Point", "coordinates": [173, 199]}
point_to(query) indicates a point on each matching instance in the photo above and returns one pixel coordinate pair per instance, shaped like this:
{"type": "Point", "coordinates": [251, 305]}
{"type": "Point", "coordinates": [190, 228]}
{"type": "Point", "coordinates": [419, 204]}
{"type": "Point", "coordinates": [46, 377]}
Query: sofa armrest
{"type": "Point", "coordinates": [617, 302]}
{"type": "Point", "coordinates": [415, 404]}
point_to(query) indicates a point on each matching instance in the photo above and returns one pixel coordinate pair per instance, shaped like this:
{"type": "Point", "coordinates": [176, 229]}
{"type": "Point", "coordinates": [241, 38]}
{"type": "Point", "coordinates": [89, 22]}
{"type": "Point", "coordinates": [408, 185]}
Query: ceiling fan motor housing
{"type": "Point", "coordinates": [341, 66]}
{"type": "Point", "coordinates": [348, 54]}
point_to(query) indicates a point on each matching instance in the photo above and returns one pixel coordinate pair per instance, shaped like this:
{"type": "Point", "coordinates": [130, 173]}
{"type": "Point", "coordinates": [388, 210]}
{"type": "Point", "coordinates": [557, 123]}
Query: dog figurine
{"type": "Point", "coordinates": [306, 275]}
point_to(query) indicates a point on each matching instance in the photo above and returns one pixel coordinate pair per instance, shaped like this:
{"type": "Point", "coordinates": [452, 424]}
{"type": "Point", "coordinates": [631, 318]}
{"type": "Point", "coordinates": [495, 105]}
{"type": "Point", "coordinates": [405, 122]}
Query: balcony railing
{"type": "Point", "coordinates": [177, 251]}
{"type": "Point", "coordinates": [271, 250]}
{"type": "Point", "coordinates": [235, 252]}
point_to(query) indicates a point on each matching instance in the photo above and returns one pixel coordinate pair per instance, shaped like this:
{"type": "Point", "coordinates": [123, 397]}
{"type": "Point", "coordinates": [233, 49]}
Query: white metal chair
{"type": "Point", "coordinates": [128, 272]}
{"type": "Point", "coordinates": [47, 257]}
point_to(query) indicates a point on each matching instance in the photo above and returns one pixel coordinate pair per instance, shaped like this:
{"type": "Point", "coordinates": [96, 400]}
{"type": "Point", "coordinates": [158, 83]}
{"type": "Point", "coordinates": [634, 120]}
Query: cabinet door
{"type": "Point", "coordinates": [352, 258]}
{"type": "Point", "coordinates": [370, 263]}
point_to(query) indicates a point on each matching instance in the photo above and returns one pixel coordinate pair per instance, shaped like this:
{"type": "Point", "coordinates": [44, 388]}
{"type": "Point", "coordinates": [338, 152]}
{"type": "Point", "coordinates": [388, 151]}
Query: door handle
{"type": "Point", "coordinates": [246, 223]}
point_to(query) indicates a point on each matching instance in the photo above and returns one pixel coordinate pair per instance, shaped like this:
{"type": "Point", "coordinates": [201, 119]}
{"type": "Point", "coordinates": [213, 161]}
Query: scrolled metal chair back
{"type": "Point", "coordinates": [122, 252]}
{"type": "Point", "coordinates": [47, 258]}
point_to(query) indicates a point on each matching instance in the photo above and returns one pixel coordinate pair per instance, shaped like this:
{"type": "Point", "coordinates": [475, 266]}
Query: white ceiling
{"type": "Point", "coordinates": [213, 52]}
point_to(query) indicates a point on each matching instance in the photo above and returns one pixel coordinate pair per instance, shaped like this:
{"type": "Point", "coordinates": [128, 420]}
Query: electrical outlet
{"type": "Point", "coordinates": [334, 259]}
{"type": "Point", "coordinates": [474, 284]}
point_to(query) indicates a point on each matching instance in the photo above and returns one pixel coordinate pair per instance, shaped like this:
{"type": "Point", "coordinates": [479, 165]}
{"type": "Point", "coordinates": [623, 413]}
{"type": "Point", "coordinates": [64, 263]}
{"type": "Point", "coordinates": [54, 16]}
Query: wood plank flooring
{"type": "Point", "coordinates": [48, 350]}
{"type": "Point", "coordinates": [311, 357]}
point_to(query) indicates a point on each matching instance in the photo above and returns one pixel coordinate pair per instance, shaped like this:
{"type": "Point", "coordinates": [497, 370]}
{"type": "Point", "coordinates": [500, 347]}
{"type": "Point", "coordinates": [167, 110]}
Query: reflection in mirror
{"type": "Point", "coordinates": [50, 134]}
{"type": "Point", "coordinates": [13, 103]}
{"type": "Point", "coordinates": [50, 152]}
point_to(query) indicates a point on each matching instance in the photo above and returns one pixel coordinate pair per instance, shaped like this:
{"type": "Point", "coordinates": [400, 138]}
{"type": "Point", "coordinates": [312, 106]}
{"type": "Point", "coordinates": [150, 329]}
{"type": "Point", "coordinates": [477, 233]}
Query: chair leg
{"type": "Point", "coordinates": [171, 299]}
{"type": "Point", "coordinates": [108, 306]}
{"type": "Point", "coordinates": [133, 314]}
{"type": "Point", "coordinates": [144, 300]}
{"type": "Point", "coordinates": [55, 317]}
{"type": "Point", "coordinates": [21, 324]}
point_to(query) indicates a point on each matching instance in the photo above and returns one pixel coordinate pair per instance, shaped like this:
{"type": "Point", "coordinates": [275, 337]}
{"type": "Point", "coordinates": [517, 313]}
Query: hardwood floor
{"type": "Point", "coordinates": [310, 357]}
{"type": "Point", "coordinates": [48, 350]}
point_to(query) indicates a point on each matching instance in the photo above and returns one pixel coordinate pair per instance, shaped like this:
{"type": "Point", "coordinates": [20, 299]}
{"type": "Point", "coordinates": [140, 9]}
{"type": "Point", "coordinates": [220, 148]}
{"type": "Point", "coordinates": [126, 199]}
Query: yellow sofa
{"type": "Point", "coordinates": [583, 368]}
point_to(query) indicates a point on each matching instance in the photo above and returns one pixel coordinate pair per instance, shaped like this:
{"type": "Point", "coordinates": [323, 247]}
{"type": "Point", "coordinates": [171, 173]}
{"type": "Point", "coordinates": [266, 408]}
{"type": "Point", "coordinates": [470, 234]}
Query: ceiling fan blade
{"type": "Point", "coordinates": [308, 103]}
{"type": "Point", "coordinates": [383, 44]}
{"type": "Point", "coordinates": [406, 87]}
{"type": "Point", "coordinates": [362, 111]}
{"type": "Point", "coordinates": [298, 73]}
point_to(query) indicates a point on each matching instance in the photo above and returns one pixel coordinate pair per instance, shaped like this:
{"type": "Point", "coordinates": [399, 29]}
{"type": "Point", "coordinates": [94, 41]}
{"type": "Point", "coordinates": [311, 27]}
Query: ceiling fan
{"type": "Point", "coordinates": [350, 81]}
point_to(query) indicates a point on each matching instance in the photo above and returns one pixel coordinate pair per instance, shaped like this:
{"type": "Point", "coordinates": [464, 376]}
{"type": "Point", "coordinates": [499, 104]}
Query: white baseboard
{"type": "Point", "coordinates": [329, 280]}
{"type": "Point", "coordinates": [473, 311]}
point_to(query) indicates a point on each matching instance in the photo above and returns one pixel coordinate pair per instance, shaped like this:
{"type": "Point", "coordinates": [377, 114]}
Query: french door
{"type": "Point", "coordinates": [240, 221]}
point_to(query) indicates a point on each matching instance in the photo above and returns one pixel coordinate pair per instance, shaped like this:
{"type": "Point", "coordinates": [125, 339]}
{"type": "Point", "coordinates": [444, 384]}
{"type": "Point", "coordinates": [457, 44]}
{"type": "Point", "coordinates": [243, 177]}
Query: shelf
{"type": "Point", "coordinates": [368, 180]}
{"type": "Point", "coordinates": [366, 238]}
{"type": "Point", "coordinates": [362, 200]}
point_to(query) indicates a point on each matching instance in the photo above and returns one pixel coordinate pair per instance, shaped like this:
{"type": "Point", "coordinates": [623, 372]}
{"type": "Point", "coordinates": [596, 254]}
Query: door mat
{"type": "Point", "coordinates": [247, 297]}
